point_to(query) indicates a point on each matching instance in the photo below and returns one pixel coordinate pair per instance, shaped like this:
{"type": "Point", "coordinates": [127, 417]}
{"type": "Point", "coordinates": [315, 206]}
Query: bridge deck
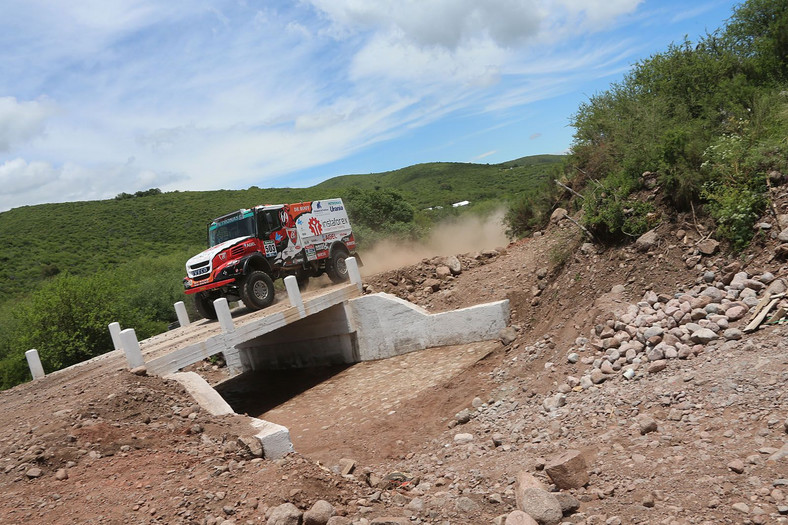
{"type": "Point", "coordinates": [171, 351]}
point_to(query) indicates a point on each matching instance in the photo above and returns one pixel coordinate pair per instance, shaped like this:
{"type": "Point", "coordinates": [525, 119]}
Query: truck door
{"type": "Point", "coordinates": [267, 223]}
{"type": "Point", "coordinates": [269, 227]}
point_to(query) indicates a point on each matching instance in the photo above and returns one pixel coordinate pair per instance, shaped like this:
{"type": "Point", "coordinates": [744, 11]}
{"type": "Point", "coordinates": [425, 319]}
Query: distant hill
{"type": "Point", "coordinates": [444, 183]}
{"type": "Point", "coordinates": [85, 237]}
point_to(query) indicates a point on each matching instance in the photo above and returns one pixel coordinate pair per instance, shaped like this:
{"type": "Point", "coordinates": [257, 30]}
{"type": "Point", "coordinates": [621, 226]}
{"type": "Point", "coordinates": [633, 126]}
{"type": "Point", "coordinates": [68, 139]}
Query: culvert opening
{"type": "Point", "coordinates": [255, 393]}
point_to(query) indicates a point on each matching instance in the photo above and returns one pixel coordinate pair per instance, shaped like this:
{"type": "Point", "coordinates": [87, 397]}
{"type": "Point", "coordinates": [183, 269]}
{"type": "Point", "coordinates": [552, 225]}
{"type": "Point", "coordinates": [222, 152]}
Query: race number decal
{"type": "Point", "coordinates": [270, 248]}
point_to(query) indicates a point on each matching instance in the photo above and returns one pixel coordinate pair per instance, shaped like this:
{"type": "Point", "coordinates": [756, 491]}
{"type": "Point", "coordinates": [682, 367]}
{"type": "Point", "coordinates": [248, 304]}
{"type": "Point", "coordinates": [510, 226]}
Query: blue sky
{"type": "Point", "coordinates": [99, 97]}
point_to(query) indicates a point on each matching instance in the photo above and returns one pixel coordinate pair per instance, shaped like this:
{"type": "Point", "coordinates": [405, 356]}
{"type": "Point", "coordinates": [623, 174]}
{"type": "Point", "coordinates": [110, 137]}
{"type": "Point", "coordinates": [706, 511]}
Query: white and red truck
{"type": "Point", "coordinates": [250, 248]}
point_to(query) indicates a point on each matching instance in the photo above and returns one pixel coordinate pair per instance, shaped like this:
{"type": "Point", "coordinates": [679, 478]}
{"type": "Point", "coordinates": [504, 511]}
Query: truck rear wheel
{"type": "Point", "coordinates": [257, 290]}
{"type": "Point", "coordinates": [337, 267]}
{"type": "Point", "coordinates": [204, 306]}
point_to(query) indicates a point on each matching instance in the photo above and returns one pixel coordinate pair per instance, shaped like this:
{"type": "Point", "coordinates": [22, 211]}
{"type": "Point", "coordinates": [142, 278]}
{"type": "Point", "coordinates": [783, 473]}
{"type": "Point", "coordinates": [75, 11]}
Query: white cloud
{"type": "Point", "coordinates": [477, 63]}
{"type": "Point", "coordinates": [595, 15]}
{"type": "Point", "coordinates": [448, 42]}
{"type": "Point", "coordinates": [695, 11]}
{"type": "Point", "coordinates": [484, 155]}
{"type": "Point", "coordinates": [18, 177]}
{"type": "Point", "coordinates": [442, 23]}
{"type": "Point", "coordinates": [217, 157]}
{"type": "Point", "coordinates": [22, 121]}
{"type": "Point", "coordinates": [454, 24]}
{"type": "Point", "coordinates": [39, 182]}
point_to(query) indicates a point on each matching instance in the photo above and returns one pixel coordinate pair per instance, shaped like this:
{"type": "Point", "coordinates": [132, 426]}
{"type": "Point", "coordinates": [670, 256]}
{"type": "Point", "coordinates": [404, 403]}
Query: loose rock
{"type": "Point", "coordinates": [319, 514]}
{"type": "Point", "coordinates": [519, 517]}
{"type": "Point", "coordinates": [285, 514]}
{"type": "Point", "coordinates": [568, 470]}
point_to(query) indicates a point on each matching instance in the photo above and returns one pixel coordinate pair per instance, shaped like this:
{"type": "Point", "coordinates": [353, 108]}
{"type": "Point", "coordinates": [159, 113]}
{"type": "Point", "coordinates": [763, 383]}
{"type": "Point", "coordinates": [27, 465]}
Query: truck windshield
{"type": "Point", "coordinates": [226, 230]}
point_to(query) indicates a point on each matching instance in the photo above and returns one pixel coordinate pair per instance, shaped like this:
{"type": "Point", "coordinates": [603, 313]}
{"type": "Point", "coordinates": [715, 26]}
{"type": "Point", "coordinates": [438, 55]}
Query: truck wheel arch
{"type": "Point", "coordinates": [256, 263]}
{"type": "Point", "coordinates": [338, 246]}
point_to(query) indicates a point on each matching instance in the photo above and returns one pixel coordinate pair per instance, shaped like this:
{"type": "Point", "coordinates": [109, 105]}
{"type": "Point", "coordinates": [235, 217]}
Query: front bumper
{"type": "Point", "coordinates": [191, 288]}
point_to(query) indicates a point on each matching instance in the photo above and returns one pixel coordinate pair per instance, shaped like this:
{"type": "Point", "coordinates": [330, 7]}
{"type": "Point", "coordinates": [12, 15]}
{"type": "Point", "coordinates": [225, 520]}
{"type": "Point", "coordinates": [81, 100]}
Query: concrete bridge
{"type": "Point", "coordinates": [336, 325]}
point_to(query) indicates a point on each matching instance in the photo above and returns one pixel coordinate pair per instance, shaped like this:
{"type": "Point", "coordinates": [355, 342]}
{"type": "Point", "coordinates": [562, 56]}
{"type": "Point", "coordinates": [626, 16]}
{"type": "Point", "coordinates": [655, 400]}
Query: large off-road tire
{"type": "Point", "coordinates": [337, 267]}
{"type": "Point", "coordinates": [257, 290]}
{"type": "Point", "coordinates": [204, 306]}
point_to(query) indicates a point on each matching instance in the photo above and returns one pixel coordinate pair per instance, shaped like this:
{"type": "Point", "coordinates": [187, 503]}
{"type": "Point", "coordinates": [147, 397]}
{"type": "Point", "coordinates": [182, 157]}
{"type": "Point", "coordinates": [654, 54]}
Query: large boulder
{"type": "Point", "coordinates": [540, 505]}
{"type": "Point", "coordinates": [708, 246]}
{"type": "Point", "coordinates": [558, 214]}
{"type": "Point", "coordinates": [432, 285]}
{"type": "Point", "coordinates": [454, 265]}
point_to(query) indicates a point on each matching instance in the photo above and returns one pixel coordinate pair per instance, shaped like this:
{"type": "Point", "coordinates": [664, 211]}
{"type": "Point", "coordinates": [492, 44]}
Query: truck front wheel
{"type": "Point", "coordinates": [257, 291]}
{"type": "Point", "coordinates": [204, 306]}
{"type": "Point", "coordinates": [337, 267]}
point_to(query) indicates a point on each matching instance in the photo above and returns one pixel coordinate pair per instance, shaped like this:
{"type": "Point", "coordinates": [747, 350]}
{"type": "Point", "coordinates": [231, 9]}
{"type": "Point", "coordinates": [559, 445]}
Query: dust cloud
{"type": "Point", "coordinates": [463, 235]}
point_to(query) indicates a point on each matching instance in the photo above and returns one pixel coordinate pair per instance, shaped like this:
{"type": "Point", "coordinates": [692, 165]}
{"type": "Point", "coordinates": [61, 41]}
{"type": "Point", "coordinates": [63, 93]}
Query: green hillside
{"type": "Point", "coordinates": [85, 237]}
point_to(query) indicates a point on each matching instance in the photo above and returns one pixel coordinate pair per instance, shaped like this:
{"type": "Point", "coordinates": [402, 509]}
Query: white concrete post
{"type": "Point", "coordinates": [34, 363]}
{"type": "Point", "coordinates": [114, 332]}
{"type": "Point", "coordinates": [353, 271]}
{"type": "Point", "coordinates": [294, 294]}
{"type": "Point", "coordinates": [131, 347]}
{"type": "Point", "coordinates": [183, 316]}
{"type": "Point", "coordinates": [223, 314]}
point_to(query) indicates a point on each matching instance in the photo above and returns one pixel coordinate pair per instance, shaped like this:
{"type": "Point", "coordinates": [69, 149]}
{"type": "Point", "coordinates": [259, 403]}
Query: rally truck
{"type": "Point", "coordinates": [250, 248]}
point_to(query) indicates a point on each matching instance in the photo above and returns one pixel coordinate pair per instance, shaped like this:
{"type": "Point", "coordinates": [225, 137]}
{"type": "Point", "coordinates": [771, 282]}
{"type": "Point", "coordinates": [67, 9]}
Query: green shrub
{"type": "Point", "coordinates": [735, 210]}
{"type": "Point", "coordinates": [526, 215]}
{"type": "Point", "coordinates": [67, 319]}
{"type": "Point", "coordinates": [13, 371]}
{"type": "Point", "coordinates": [611, 215]}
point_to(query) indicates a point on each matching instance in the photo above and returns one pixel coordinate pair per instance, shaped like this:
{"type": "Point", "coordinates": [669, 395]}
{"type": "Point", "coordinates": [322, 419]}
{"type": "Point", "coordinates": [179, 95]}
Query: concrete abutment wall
{"type": "Point", "coordinates": [367, 328]}
{"type": "Point", "coordinates": [387, 326]}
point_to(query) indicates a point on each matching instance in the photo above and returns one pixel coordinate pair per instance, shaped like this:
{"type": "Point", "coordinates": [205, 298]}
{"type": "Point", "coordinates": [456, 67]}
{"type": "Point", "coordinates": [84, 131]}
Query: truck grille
{"type": "Point", "coordinates": [200, 270]}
